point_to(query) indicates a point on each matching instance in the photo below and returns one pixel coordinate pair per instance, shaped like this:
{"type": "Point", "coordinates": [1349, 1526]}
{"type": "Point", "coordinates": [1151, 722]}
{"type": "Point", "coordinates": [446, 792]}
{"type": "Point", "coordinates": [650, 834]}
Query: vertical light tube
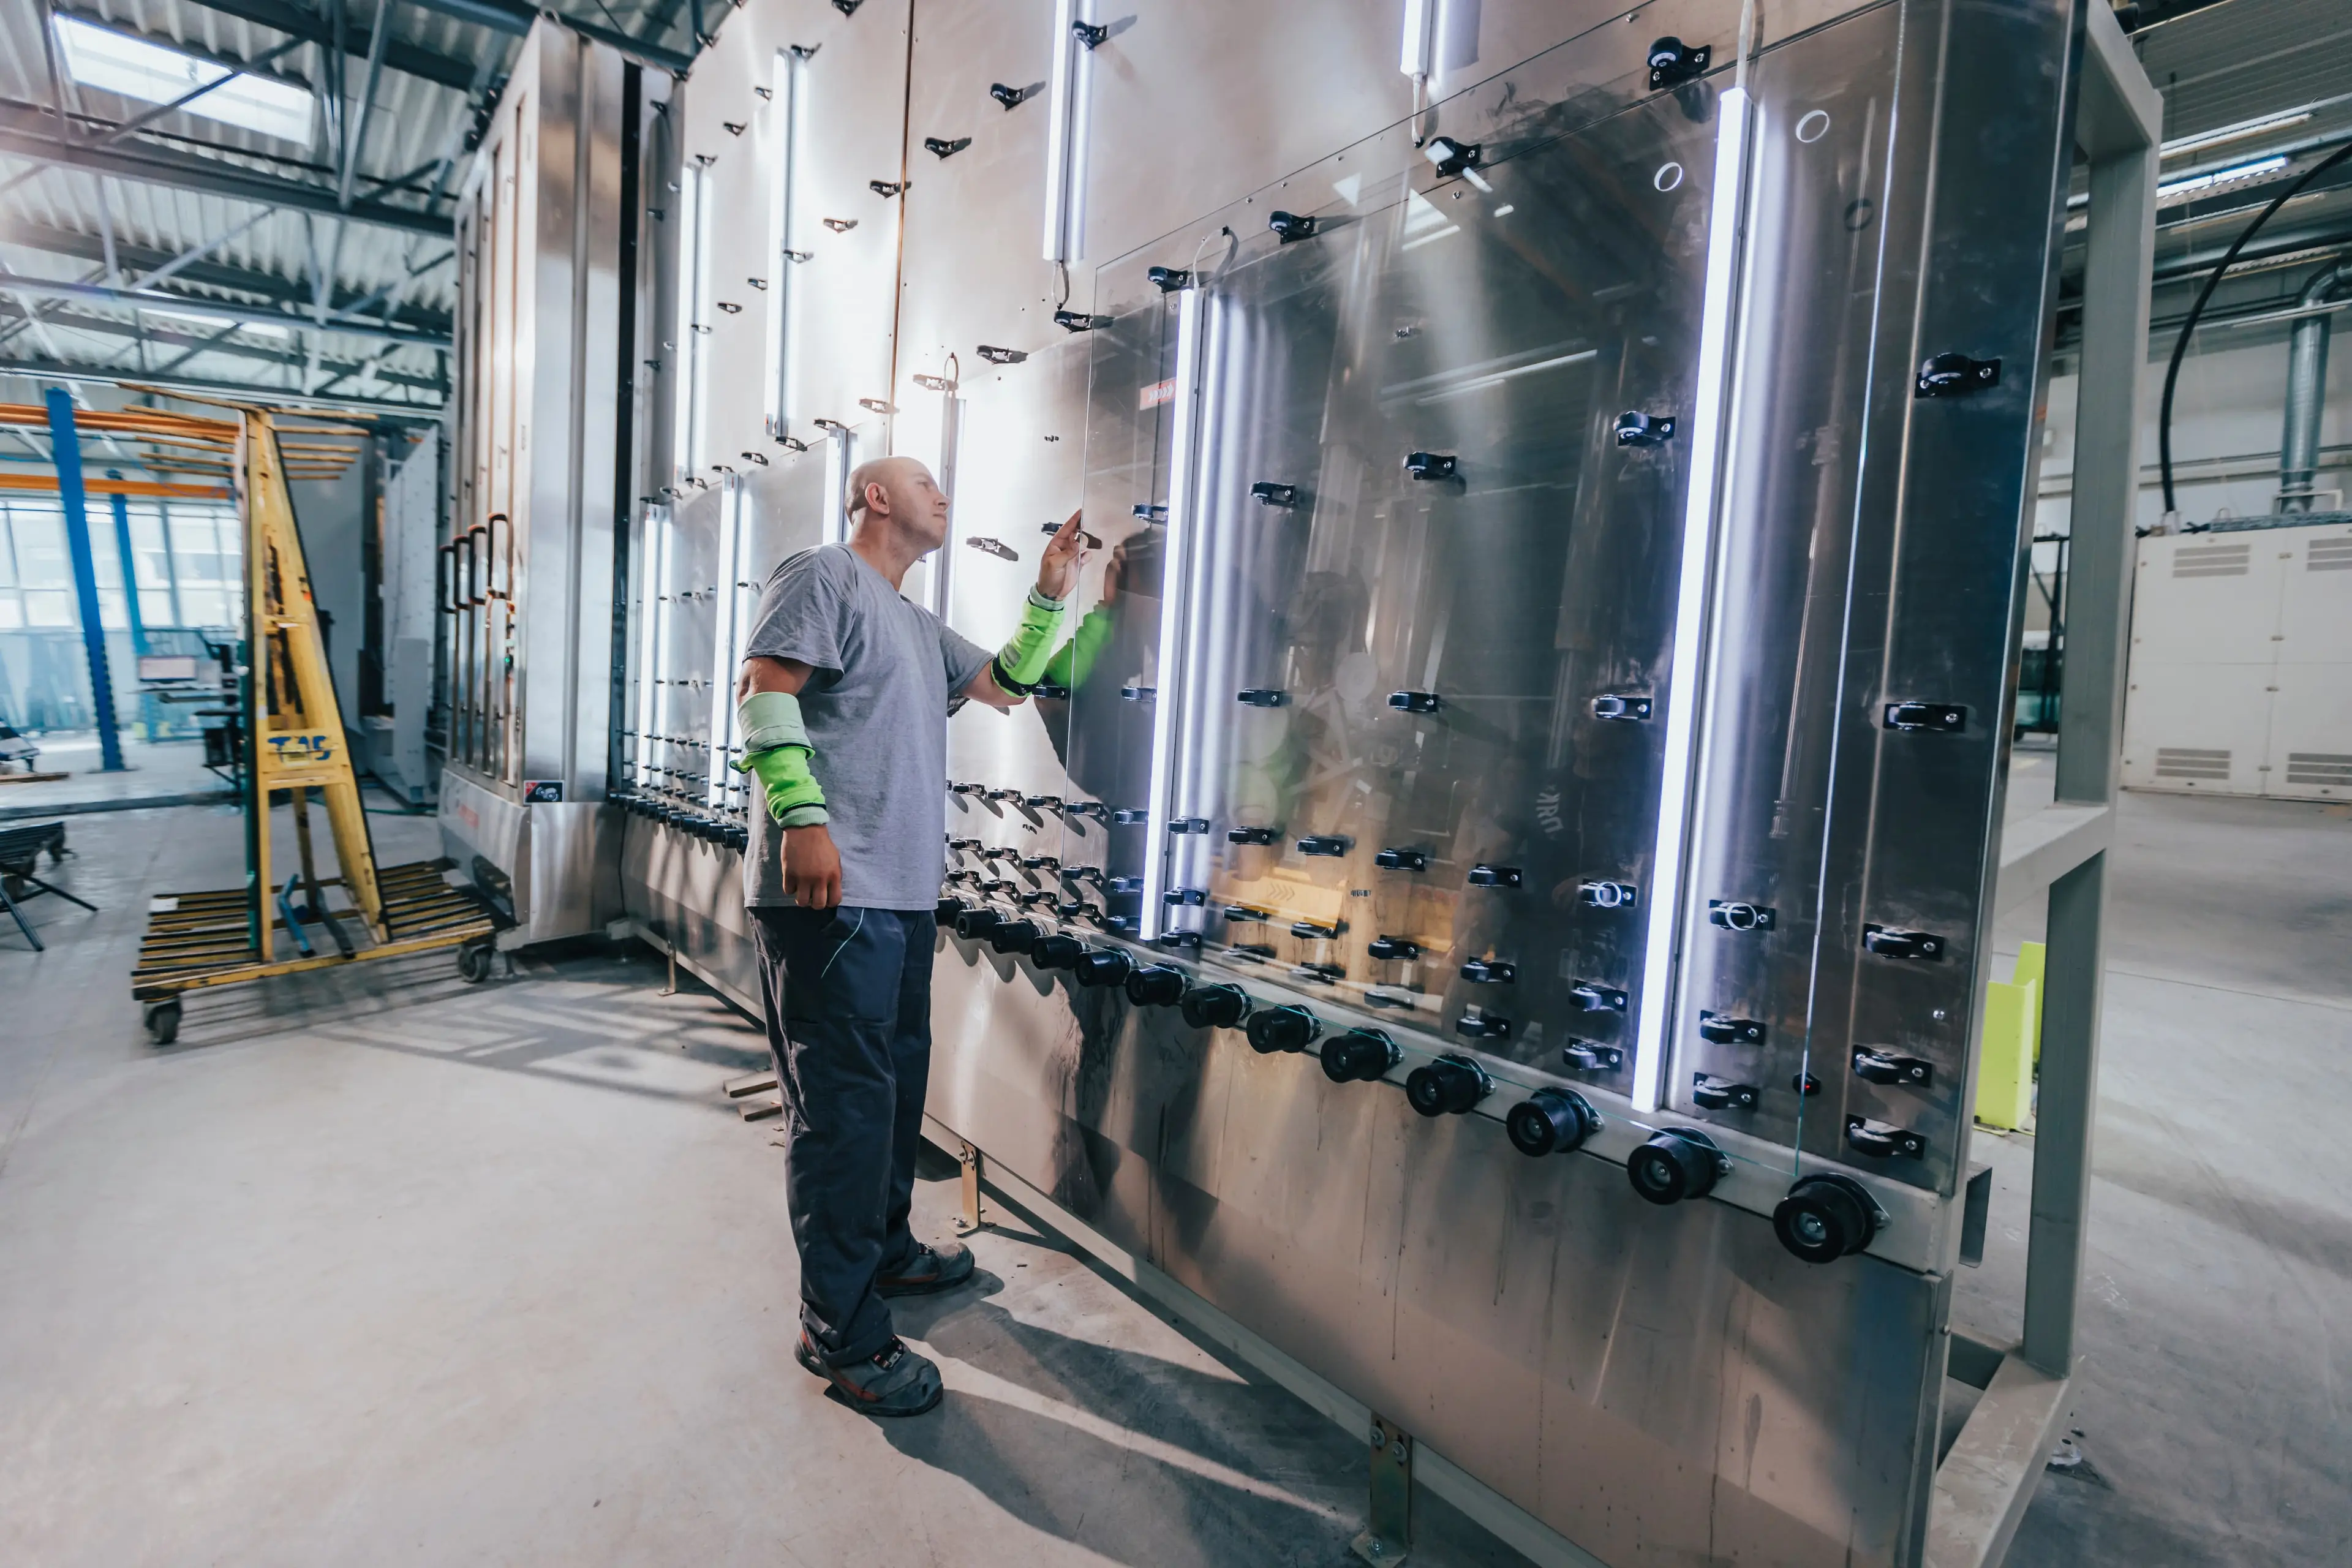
{"type": "Point", "coordinates": [722, 643]}
{"type": "Point", "coordinates": [693, 250]}
{"type": "Point", "coordinates": [1175, 576]}
{"type": "Point", "coordinates": [1691, 594]}
{"type": "Point", "coordinates": [840, 458]}
{"type": "Point", "coordinates": [935, 590]}
{"type": "Point", "coordinates": [780, 230]}
{"type": "Point", "coordinates": [649, 559]}
{"type": "Point", "coordinates": [664, 579]}
{"type": "Point", "coordinates": [1419, 35]}
{"type": "Point", "coordinates": [1064, 116]}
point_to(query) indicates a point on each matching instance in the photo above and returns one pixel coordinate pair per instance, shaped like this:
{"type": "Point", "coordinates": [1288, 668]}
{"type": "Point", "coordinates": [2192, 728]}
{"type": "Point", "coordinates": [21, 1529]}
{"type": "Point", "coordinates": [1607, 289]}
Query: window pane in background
{"type": "Point", "coordinates": [41, 558]}
{"type": "Point", "coordinates": [156, 606]}
{"type": "Point", "coordinates": [11, 610]}
{"type": "Point", "coordinates": [204, 607]}
{"type": "Point", "coordinates": [49, 607]}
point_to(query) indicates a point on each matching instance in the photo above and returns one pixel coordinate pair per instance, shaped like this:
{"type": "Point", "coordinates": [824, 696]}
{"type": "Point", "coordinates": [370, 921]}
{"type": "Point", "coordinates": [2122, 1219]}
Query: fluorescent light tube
{"type": "Point", "coordinates": [2191, 183]}
{"type": "Point", "coordinates": [1651, 1047]}
{"type": "Point", "coordinates": [1175, 576]}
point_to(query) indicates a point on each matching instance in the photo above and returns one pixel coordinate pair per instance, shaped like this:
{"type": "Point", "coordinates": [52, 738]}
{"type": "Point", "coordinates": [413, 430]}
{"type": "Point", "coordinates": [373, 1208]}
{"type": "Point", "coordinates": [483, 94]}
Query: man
{"type": "Point", "coordinates": [843, 699]}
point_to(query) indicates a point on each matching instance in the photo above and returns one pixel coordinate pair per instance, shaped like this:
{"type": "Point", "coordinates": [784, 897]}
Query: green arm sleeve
{"type": "Point", "coordinates": [776, 749]}
{"type": "Point", "coordinates": [1021, 663]}
{"type": "Point", "coordinates": [1069, 667]}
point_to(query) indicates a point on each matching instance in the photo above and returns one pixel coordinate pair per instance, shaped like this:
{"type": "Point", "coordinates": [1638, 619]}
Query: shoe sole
{"type": "Point", "coordinates": [924, 1288]}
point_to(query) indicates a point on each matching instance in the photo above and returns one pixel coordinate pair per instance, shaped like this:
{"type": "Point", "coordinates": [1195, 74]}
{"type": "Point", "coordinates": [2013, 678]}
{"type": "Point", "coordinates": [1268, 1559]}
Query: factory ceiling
{"type": "Point", "coordinates": [299, 209]}
{"type": "Point", "coordinates": [255, 194]}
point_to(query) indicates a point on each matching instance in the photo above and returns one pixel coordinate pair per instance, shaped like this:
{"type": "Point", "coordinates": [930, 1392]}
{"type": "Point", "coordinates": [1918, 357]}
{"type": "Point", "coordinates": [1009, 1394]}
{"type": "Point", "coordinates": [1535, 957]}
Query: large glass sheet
{"type": "Point", "coordinates": [1389, 780]}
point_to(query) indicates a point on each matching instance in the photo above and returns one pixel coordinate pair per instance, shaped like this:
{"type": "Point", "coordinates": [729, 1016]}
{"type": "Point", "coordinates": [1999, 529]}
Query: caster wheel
{"type": "Point", "coordinates": [473, 963]}
{"type": "Point", "coordinates": [164, 1021]}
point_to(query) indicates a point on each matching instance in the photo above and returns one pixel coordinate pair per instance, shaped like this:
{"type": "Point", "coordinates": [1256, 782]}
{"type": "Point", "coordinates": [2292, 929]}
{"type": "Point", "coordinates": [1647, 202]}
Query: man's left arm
{"type": "Point", "coordinates": [1006, 681]}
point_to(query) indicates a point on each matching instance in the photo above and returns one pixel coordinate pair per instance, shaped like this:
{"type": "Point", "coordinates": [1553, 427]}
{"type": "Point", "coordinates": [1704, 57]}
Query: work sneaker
{"type": "Point", "coordinates": [931, 1268]}
{"type": "Point", "coordinates": [894, 1381]}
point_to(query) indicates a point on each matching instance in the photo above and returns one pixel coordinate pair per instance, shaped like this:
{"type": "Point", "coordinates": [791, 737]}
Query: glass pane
{"type": "Point", "coordinates": [1387, 780]}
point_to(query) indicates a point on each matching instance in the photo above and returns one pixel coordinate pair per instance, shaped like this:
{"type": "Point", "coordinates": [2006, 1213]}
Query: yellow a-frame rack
{"type": "Point", "coordinates": [294, 736]}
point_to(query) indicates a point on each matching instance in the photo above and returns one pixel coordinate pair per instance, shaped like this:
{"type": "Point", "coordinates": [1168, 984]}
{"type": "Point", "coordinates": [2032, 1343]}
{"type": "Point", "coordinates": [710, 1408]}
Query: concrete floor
{"type": "Point", "coordinates": [2214, 1389]}
{"type": "Point", "coordinates": [374, 1266]}
{"type": "Point", "coordinates": [158, 771]}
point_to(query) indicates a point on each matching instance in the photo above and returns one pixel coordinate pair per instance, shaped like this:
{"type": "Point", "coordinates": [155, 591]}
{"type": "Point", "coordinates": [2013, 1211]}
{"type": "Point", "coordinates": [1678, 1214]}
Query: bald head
{"type": "Point", "coordinates": [897, 500]}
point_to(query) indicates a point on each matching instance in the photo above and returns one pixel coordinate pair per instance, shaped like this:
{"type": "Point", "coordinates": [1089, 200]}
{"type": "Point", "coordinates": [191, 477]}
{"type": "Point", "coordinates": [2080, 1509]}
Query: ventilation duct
{"type": "Point", "coordinates": [2307, 389]}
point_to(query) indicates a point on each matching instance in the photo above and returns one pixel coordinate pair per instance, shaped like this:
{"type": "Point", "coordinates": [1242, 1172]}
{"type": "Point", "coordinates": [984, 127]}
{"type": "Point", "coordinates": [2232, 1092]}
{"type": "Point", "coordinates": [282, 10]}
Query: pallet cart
{"type": "Point", "coordinates": [294, 746]}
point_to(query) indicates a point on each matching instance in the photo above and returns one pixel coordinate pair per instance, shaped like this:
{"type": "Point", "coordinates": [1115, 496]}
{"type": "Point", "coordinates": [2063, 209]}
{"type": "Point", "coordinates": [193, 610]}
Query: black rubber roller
{"type": "Point", "coordinates": [1156, 986]}
{"type": "Point", "coordinates": [1676, 1163]}
{"type": "Point", "coordinates": [1283, 1029]}
{"type": "Point", "coordinates": [1825, 1218]}
{"type": "Point", "coordinates": [1552, 1122]}
{"type": "Point", "coordinates": [1013, 936]}
{"type": "Point", "coordinates": [1057, 951]}
{"type": "Point", "coordinates": [1216, 1007]}
{"type": "Point", "coordinates": [1359, 1056]}
{"type": "Point", "coordinates": [971, 924]}
{"type": "Point", "coordinates": [1447, 1086]}
{"type": "Point", "coordinates": [1105, 966]}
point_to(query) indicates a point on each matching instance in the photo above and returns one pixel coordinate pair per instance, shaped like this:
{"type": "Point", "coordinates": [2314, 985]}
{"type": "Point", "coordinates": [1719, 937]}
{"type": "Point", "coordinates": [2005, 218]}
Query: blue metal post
{"type": "Point", "coordinates": [130, 571]}
{"type": "Point", "coordinates": [66, 450]}
{"type": "Point", "coordinates": [148, 728]}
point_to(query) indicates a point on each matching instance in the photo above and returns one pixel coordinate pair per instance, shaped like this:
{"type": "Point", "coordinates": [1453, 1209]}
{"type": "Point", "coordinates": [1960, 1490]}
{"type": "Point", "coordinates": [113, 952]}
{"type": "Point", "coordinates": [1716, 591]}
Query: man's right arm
{"type": "Point", "coordinates": [761, 673]}
{"type": "Point", "coordinates": [812, 864]}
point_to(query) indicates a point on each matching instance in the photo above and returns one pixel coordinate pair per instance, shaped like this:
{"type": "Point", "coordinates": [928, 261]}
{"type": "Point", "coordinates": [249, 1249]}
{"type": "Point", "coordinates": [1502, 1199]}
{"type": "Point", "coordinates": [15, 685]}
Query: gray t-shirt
{"type": "Point", "coordinates": [877, 709]}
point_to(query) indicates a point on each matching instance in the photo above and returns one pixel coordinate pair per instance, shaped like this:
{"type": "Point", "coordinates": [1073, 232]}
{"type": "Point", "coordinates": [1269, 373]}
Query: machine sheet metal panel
{"type": "Point", "coordinates": [1654, 1384]}
{"type": "Point", "coordinates": [528, 562]}
{"type": "Point", "coordinates": [1507, 321]}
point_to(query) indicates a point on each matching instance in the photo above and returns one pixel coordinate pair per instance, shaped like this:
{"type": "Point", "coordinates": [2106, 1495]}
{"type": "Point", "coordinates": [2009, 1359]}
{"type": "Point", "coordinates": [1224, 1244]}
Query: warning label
{"type": "Point", "coordinates": [1158, 392]}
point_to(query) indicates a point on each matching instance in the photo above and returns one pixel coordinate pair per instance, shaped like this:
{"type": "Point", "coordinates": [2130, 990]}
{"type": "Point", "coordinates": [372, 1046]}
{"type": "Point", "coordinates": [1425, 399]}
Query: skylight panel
{"type": "Point", "coordinates": [113, 62]}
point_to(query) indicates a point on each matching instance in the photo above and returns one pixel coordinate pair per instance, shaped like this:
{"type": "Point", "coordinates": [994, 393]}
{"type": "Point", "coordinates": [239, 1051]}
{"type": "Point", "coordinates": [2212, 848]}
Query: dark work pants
{"type": "Point", "coordinates": [847, 994]}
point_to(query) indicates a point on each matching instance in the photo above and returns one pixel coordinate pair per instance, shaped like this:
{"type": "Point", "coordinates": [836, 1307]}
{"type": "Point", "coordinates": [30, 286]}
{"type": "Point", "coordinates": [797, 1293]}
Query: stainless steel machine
{"type": "Point", "coordinates": [543, 456]}
{"type": "Point", "coordinates": [1493, 924]}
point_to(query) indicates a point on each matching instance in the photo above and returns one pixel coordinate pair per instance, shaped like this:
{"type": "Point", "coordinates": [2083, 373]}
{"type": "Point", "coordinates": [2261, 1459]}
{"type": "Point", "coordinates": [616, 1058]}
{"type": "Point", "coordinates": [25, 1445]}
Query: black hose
{"type": "Point", "coordinates": [2213, 279]}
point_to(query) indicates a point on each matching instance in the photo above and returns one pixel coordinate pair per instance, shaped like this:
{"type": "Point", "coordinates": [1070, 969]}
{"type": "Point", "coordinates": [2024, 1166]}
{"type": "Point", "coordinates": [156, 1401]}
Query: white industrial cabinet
{"type": "Point", "coordinates": [2241, 664]}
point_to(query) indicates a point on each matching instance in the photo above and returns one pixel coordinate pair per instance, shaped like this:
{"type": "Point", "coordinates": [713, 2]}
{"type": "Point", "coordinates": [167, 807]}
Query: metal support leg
{"type": "Point", "coordinates": [22, 924]}
{"type": "Point", "coordinates": [46, 887]}
{"type": "Point", "coordinates": [972, 1219]}
{"type": "Point", "coordinates": [2061, 1137]}
{"type": "Point", "coordinates": [1387, 1539]}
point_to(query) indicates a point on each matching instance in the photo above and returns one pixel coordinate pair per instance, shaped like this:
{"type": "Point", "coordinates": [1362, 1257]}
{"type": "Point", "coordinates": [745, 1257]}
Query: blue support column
{"type": "Point", "coordinates": [66, 451]}
{"type": "Point", "coordinates": [130, 571]}
{"type": "Point", "coordinates": [148, 728]}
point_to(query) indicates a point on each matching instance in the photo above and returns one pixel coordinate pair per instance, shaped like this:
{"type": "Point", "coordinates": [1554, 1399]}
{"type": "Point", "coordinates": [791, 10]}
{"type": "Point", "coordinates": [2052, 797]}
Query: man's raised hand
{"type": "Point", "coordinates": [1064, 558]}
